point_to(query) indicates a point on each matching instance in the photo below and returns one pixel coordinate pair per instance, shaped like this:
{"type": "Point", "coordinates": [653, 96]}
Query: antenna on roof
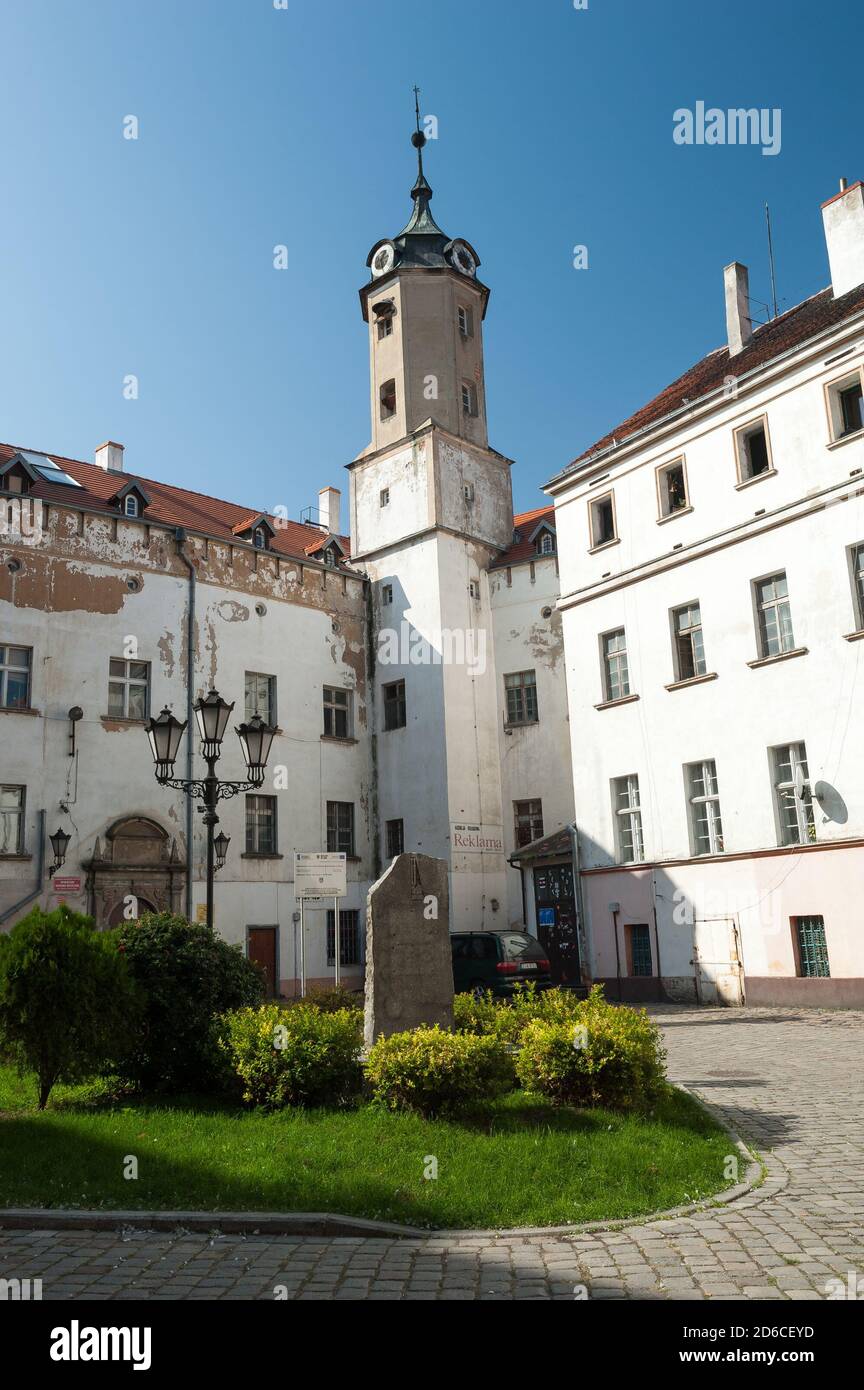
{"type": "Point", "coordinates": [771, 261]}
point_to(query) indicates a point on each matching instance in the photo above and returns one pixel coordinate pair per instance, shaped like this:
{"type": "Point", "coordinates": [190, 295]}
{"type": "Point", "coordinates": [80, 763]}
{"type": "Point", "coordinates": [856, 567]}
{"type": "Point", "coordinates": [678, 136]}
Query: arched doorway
{"type": "Point", "coordinates": [135, 859]}
{"type": "Point", "coordinates": [117, 916]}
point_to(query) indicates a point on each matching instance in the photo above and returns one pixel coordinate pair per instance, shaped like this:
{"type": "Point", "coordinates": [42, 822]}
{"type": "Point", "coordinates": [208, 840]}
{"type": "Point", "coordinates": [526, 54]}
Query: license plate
{"type": "Point", "coordinates": [529, 965]}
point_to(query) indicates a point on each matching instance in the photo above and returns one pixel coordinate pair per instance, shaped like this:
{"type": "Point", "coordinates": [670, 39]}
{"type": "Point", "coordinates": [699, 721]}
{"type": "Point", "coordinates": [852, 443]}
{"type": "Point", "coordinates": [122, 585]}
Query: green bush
{"type": "Point", "coordinates": [332, 1001]}
{"type": "Point", "coordinates": [188, 977]}
{"type": "Point", "coordinates": [297, 1056]}
{"type": "Point", "coordinates": [68, 1005]}
{"type": "Point", "coordinates": [505, 1019]}
{"type": "Point", "coordinates": [603, 1055]}
{"type": "Point", "coordinates": [435, 1072]}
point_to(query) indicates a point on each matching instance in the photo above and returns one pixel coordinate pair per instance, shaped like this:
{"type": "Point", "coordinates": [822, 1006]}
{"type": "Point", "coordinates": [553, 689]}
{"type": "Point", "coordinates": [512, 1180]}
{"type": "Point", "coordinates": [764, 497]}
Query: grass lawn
{"type": "Point", "coordinates": [515, 1162]}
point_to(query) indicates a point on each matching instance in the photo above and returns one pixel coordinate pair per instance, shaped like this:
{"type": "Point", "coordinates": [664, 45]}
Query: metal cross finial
{"type": "Point", "coordinates": [417, 105]}
{"type": "Point", "coordinates": [418, 139]}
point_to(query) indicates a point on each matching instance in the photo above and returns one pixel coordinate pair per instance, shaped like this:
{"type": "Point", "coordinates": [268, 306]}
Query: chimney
{"type": "Point", "coordinates": [739, 329]}
{"type": "Point", "coordinates": [329, 503]}
{"type": "Point", "coordinates": [110, 457]}
{"type": "Point", "coordinates": [843, 220]}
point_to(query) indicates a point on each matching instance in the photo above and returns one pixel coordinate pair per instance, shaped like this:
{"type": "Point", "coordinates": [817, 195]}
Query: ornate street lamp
{"type": "Point", "coordinates": [211, 715]}
{"type": "Point", "coordinates": [220, 848]}
{"type": "Point", "coordinates": [255, 740]}
{"type": "Point", "coordinates": [59, 845]}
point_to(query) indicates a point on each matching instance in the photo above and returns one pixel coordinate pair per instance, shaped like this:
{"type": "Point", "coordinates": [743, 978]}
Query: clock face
{"type": "Point", "coordinates": [463, 260]}
{"type": "Point", "coordinates": [383, 259]}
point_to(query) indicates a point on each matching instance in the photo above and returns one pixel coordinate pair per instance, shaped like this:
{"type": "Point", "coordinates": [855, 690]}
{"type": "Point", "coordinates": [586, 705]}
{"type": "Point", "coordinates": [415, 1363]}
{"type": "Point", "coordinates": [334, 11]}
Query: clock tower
{"type": "Point", "coordinates": [431, 505]}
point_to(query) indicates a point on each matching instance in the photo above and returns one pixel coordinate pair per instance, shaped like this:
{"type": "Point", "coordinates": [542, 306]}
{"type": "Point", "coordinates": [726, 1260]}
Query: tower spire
{"type": "Point", "coordinates": [418, 139]}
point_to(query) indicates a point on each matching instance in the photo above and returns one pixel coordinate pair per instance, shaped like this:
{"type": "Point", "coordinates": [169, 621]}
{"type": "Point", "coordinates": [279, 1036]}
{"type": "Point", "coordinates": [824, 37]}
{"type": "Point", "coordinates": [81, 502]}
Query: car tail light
{"type": "Point", "coordinates": [542, 965]}
{"type": "Point", "coordinates": [506, 967]}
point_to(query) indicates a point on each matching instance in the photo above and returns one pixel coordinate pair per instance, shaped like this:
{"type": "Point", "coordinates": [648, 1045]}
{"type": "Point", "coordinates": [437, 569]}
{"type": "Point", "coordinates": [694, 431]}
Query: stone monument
{"type": "Point", "coordinates": [409, 968]}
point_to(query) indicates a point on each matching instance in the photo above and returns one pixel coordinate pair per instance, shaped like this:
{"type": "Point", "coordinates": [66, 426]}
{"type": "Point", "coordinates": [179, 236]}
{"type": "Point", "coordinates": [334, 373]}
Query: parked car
{"type": "Point", "coordinates": [499, 961]}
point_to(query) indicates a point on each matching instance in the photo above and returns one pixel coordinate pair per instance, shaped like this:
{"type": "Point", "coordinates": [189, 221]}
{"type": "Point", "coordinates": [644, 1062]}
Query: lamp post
{"type": "Point", "coordinates": [211, 715]}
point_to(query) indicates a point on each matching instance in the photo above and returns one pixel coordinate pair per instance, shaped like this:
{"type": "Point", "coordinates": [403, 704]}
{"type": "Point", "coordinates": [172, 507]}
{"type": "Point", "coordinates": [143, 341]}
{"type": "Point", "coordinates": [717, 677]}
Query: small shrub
{"type": "Point", "coordinates": [67, 1003]}
{"type": "Point", "coordinates": [506, 1019]}
{"type": "Point", "coordinates": [297, 1056]}
{"type": "Point", "coordinates": [332, 1001]}
{"type": "Point", "coordinates": [603, 1056]}
{"type": "Point", "coordinates": [434, 1072]}
{"type": "Point", "coordinates": [188, 977]}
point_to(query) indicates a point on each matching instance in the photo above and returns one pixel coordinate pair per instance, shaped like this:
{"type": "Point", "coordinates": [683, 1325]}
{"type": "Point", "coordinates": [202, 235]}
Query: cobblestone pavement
{"type": "Point", "coordinates": [789, 1081]}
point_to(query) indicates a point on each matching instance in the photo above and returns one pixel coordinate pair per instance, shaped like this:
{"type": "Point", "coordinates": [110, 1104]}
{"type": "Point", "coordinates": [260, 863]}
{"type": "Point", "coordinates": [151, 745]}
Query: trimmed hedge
{"type": "Point", "coordinates": [299, 1056]}
{"type": "Point", "coordinates": [604, 1056]}
{"type": "Point", "coordinates": [505, 1019]}
{"type": "Point", "coordinates": [433, 1072]}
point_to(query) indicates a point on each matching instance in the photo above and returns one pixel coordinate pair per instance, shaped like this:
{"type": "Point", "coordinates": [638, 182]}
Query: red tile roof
{"type": "Point", "coordinates": [524, 526]}
{"type": "Point", "coordinates": [172, 506]}
{"type": "Point", "coordinates": [780, 335]}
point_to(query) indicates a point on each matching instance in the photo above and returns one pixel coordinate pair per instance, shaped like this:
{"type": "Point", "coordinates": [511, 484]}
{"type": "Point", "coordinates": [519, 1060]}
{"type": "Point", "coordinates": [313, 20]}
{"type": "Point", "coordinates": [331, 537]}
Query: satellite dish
{"type": "Point", "coordinates": [800, 782]}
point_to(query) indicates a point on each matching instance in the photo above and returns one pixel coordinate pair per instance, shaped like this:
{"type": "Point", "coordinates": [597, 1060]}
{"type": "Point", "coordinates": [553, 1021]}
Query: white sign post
{"type": "Point", "coordinates": [318, 875]}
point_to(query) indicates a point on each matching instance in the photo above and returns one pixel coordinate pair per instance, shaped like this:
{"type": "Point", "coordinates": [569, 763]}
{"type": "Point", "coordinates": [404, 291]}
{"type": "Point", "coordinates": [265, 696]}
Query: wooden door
{"type": "Point", "coordinates": [261, 948]}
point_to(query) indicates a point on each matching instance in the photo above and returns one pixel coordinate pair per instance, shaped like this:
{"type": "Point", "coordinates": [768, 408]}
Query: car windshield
{"type": "Point", "coordinates": [517, 946]}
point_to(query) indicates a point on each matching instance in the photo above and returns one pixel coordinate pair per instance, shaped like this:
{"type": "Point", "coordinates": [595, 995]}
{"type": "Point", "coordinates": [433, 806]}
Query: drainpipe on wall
{"type": "Point", "coordinates": [180, 538]}
{"type": "Point", "coordinates": [614, 908]}
{"type": "Point", "coordinates": [40, 869]}
{"type": "Point", "coordinates": [584, 926]}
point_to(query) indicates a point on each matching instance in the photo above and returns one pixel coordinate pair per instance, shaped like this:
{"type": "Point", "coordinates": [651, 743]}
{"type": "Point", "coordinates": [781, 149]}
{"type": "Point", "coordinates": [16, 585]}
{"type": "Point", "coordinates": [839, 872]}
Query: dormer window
{"type": "Point", "coordinates": [331, 559]}
{"type": "Point", "coordinates": [130, 505]}
{"type": "Point", "coordinates": [259, 538]}
{"type": "Point", "coordinates": [131, 499]}
{"type": "Point", "coordinates": [546, 544]}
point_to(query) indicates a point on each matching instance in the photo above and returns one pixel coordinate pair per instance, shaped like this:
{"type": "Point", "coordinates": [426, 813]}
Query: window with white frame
{"type": "Point", "coordinates": [466, 320]}
{"type": "Point", "coordinates": [616, 671]}
{"type": "Point", "coordinates": [845, 409]}
{"type": "Point", "coordinates": [130, 504]}
{"type": "Point", "coordinates": [520, 692]}
{"type": "Point", "coordinates": [793, 798]}
{"type": "Point", "coordinates": [706, 826]}
{"type": "Point", "coordinates": [260, 696]}
{"type": "Point", "coordinates": [672, 488]}
{"type": "Point", "coordinates": [774, 616]}
{"type": "Point", "coordinates": [11, 820]}
{"type": "Point", "coordinates": [337, 712]}
{"type": "Point", "coordinates": [546, 543]}
{"type": "Point", "coordinates": [689, 649]}
{"type": "Point", "coordinates": [753, 450]}
{"type": "Point", "coordinates": [856, 559]}
{"type": "Point", "coordinates": [469, 398]}
{"type": "Point", "coordinates": [468, 492]}
{"type": "Point", "coordinates": [601, 513]}
{"type": "Point", "coordinates": [384, 497]}
{"type": "Point", "coordinates": [15, 665]}
{"type": "Point", "coordinates": [259, 538]}
{"type": "Point", "coordinates": [629, 845]}
{"type": "Point", "coordinates": [128, 689]}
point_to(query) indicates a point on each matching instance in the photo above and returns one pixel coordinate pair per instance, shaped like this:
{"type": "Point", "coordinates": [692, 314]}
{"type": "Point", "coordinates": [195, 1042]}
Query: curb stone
{"type": "Point", "coordinates": [758, 1176]}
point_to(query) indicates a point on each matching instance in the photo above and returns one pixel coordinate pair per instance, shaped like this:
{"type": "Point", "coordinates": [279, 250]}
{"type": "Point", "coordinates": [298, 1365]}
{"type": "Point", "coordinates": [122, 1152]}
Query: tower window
{"type": "Point", "coordinates": [387, 396]}
{"type": "Point", "coordinates": [474, 589]}
{"type": "Point", "coordinates": [468, 492]}
{"type": "Point", "coordinates": [384, 497]}
{"type": "Point", "coordinates": [466, 321]}
{"type": "Point", "coordinates": [469, 398]}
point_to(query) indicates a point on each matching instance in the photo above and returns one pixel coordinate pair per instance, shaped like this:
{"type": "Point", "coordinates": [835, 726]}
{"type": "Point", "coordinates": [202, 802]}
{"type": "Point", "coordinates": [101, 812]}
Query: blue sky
{"type": "Point", "coordinates": [262, 126]}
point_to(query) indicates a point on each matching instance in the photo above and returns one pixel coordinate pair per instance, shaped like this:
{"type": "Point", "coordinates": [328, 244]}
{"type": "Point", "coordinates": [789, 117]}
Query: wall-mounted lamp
{"type": "Point", "coordinates": [59, 845]}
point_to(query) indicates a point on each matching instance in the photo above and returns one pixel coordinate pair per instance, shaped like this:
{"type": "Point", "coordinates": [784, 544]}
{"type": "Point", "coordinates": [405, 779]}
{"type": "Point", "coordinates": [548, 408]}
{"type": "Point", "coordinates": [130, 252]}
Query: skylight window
{"type": "Point", "coordinates": [48, 470]}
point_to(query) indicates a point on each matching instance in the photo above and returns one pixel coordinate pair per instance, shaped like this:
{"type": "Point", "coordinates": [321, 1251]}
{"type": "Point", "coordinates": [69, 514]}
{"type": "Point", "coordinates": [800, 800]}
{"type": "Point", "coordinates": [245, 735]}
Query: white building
{"type": "Point", "coordinates": [414, 672]}
{"type": "Point", "coordinates": [712, 596]}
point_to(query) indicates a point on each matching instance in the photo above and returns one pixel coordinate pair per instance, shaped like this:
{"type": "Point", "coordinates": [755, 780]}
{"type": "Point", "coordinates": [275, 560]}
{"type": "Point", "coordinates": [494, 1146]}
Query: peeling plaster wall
{"type": "Point", "coordinates": [70, 601]}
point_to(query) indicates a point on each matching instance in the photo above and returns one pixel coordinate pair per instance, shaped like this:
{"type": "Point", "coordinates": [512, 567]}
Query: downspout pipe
{"type": "Point", "coordinates": [180, 538]}
{"type": "Point", "coordinates": [586, 967]}
{"type": "Point", "coordinates": [40, 869]}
